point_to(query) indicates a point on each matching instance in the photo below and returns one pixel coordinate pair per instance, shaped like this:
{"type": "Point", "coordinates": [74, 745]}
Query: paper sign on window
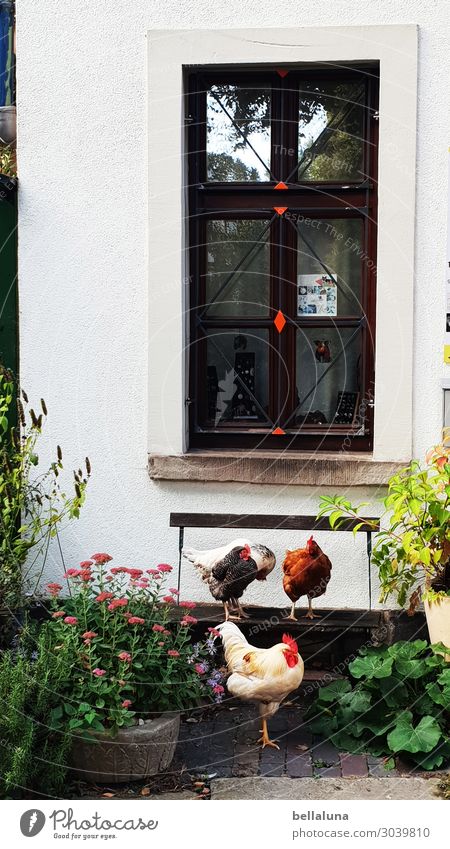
{"type": "Point", "coordinates": [317, 295]}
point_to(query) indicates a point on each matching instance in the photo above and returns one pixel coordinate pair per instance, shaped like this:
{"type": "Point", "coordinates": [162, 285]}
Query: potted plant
{"type": "Point", "coordinates": [131, 671]}
{"type": "Point", "coordinates": [33, 504]}
{"type": "Point", "coordinates": [412, 553]}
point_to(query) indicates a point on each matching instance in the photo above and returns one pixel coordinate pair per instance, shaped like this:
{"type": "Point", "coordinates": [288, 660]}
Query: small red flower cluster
{"type": "Point", "coordinates": [118, 602]}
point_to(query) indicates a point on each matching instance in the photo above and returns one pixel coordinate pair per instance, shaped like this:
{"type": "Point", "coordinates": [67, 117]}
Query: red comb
{"type": "Point", "coordinates": [311, 539]}
{"type": "Point", "coordinates": [291, 643]}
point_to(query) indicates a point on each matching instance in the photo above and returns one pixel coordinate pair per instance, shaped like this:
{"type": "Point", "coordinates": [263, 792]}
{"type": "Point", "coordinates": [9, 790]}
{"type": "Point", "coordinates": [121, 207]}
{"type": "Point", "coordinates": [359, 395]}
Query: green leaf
{"type": "Point", "coordinates": [423, 738]}
{"type": "Point", "coordinates": [439, 697]}
{"type": "Point", "coordinates": [371, 666]}
{"type": "Point", "coordinates": [444, 678]}
{"type": "Point", "coordinates": [389, 764]}
{"type": "Point", "coordinates": [333, 691]}
{"type": "Point", "coordinates": [394, 691]}
{"type": "Point", "coordinates": [75, 723]}
{"type": "Point", "coordinates": [346, 743]}
{"type": "Point", "coordinates": [411, 668]}
{"type": "Point", "coordinates": [407, 650]}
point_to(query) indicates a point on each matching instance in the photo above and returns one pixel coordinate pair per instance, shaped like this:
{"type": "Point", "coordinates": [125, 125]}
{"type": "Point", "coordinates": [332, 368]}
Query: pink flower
{"type": "Point", "coordinates": [167, 633]}
{"type": "Point", "coordinates": [218, 689]}
{"type": "Point", "coordinates": [58, 613]}
{"type": "Point", "coordinates": [189, 620]}
{"type": "Point", "coordinates": [125, 656]}
{"type": "Point", "coordinates": [169, 599]}
{"type": "Point", "coordinates": [118, 602]}
{"type": "Point", "coordinates": [89, 635]}
{"type": "Point", "coordinates": [136, 620]}
{"type": "Point", "coordinates": [86, 564]}
{"type": "Point", "coordinates": [72, 573]}
{"type": "Point", "coordinates": [153, 572]}
{"type": "Point", "coordinates": [158, 628]}
{"type": "Point", "coordinates": [199, 668]}
{"type": "Point", "coordinates": [86, 575]}
{"type": "Point", "coordinates": [164, 567]}
{"type": "Point", "coordinates": [174, 591]}
{"type": "Point", "coordinates": [71, 620]}
{"type": "Point", "coordinates": [104, 596]}
{"type": "Point", "coordinates": [135, 573]}
{"type": "Point", "coordinates": [173, 653]}
{"type": "Point", "coordinates": [54, 589]}
{"type": "Point", "coordinates": [189, 605]}
{"type": "Point", "coordinates": [101, 559]}
{"type": "Point", "coordinates": [214, 631]}
{"type": "Point", "coordinates": [126, 703]}
{"type": "Point", "coordinates": [161, 644]}
{"type": "Point", "coordinates": [118, 570]}
{"type": "Point", "coordinates": [99, 672]}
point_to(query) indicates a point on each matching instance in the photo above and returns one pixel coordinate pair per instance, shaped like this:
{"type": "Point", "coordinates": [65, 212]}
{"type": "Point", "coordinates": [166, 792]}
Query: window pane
{"type": "Point", "coordinates": [238, 134]}
{"type": "Point", "coordinates": [238, 268]}
{"type": "Point", "coordinates": [237, 377]}
{"type": "Point", "coordinates": [328, 363]}
{"type": "Point", "coordinates": [329, 267]}
{"type": "Point", "coordinates": [331, 131]}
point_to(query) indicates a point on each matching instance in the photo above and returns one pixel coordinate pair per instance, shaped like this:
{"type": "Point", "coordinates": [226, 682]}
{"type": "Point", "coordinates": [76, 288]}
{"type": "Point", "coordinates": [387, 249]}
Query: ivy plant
{"type": "Point", "coordinates": [397, 702]}
{"type": "Point", "coordinates": [412, 550]}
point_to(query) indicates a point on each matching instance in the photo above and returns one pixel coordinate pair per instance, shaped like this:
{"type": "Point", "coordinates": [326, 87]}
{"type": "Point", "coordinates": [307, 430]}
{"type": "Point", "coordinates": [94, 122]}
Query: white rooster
{"type": "Point", "coordinates": [228, 570]}
{"type": "Point", "coordinates": [266, 676]}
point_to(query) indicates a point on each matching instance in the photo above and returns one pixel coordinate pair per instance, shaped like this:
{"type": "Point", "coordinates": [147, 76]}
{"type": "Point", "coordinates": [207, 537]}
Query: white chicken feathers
{"type": "Point", "coordinates": [260, 675]}
{"type": "Point", "coordinates": [205, 560]}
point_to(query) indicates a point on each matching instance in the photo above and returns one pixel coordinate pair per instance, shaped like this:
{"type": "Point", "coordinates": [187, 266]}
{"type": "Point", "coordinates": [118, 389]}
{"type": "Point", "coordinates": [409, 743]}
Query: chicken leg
{"type": "Point", "coordinates": [310, 614]}
{"type": "Point", "coordinates": [241, 613]}
{"type": "Point", "coordinates": [292, 613]}
{"type": "Point", "coordinates": [265, 739]}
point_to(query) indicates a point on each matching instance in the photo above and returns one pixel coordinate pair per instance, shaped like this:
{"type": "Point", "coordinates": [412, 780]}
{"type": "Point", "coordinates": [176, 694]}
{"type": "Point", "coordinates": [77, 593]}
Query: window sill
{"type": "Point", "coordinates": [269, 468]}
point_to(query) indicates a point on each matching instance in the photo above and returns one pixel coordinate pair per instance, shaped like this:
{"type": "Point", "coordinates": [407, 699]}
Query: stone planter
{"type": "Point", "coordinates": [438, 621]}
{"type": "Point", "coordinates": [134, 753]}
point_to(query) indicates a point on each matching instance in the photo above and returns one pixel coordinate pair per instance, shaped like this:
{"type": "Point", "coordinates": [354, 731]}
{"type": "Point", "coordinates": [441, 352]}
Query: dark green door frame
{"type": "Point", "coordinates": [8, 284]}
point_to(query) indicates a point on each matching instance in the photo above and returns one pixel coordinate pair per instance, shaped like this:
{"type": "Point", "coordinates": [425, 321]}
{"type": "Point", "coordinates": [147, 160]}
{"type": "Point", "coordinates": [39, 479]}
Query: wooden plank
{"type": "Point", "coordinates": [265, 521]}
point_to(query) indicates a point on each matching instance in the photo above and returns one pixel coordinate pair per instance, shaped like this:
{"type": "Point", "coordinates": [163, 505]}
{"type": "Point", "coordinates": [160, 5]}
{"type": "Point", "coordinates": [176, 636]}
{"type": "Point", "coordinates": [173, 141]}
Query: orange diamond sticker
{"type": "Point", "coordinates": [279, 321]}
{"type": "Point", "coordinates": [278, 432]}
{"type": "Point", "coordinates": [280, 186]}
{"type": "Point", "coordinates": [280, 209]}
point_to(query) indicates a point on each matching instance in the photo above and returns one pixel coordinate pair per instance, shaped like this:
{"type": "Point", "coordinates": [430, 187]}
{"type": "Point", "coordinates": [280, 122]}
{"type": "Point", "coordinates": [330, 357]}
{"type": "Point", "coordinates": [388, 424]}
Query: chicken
{"type": "Point", "coordinates": [229, 570]}
{"type": "Point", "coordinates": [266, 676]}
{"type": "Point", "coordinates": [306, 572]}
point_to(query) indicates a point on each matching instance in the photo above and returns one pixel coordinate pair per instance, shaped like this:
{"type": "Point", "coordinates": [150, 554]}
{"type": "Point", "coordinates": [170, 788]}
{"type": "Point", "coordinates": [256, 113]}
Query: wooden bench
{"type": "Point", "coordinates": [272, 522]}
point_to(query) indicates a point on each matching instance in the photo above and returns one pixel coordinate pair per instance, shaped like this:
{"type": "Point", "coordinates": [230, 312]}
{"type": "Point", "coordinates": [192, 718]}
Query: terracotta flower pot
{"type": "Point", "coordinates": [134, 753]}
{"type": "Point", "coordinates": [438, 621]}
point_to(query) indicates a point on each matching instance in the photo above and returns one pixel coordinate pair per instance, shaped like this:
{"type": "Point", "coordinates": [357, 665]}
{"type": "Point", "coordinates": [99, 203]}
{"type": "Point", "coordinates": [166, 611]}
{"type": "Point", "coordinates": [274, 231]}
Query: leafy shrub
{"type": "Point", "coordinates": [33, 506]}
{"type": "Point", "coordinates": [397, 704]}
{"type": "Point", "coordinates": [32, 757]}
{"type": "Point", "coordinates": [412, 551]}
{"type": "Point", "coordinates": [126, 660]}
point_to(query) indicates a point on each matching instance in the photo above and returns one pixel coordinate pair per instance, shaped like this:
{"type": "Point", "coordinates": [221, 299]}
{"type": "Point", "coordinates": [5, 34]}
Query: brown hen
{"type": "Point", "coordinates": [306, 572]}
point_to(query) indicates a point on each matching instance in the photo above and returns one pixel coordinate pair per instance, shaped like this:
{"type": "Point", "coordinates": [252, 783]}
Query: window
{"type": "Point", "coordinates": [282, 175]}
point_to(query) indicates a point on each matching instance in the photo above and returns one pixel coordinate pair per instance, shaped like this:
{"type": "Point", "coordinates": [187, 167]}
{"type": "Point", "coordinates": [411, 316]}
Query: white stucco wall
{"type": "Point", "coordinates": [82, 97]}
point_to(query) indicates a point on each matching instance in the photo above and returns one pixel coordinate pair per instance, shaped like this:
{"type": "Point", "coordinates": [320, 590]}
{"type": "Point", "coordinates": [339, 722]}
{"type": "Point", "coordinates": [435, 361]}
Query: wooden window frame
{"type": "Point", "coordinates": [326, 200]}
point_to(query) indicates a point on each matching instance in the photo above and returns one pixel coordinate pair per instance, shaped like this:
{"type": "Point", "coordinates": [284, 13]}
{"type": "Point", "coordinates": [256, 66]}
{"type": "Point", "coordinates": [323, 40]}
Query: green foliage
{"type": "Point", "coordinates": [127, 658]}
{"type": "Point", "coordinates": [397, 704]}
{"type": "Point", "coordinates": [414, 548]}
{"type": "Point", "coordinates": [33, 506]}
{"type": "Point", "coordinates": [32, 757]}
{"type": "Point", "coordinates": [8, 164]}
